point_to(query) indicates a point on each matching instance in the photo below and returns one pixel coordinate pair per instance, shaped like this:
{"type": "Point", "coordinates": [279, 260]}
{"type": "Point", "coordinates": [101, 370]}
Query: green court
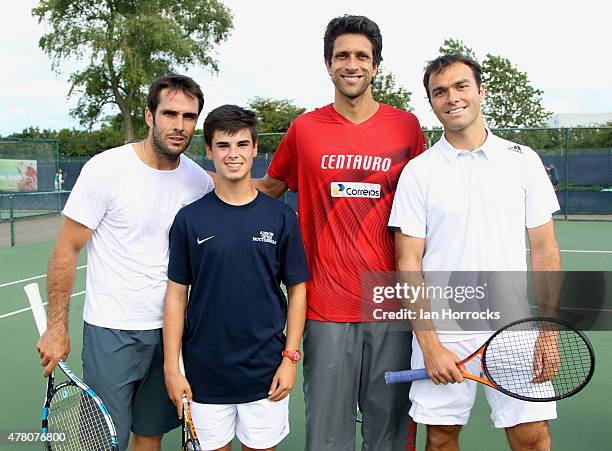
{"type": "Point", "coordinates": [584, 421]}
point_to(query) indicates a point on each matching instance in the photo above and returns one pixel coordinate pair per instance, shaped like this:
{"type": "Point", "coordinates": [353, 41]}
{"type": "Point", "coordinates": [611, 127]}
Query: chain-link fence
{"type": "Point", "coordinates": [30, 217]}
{"type": "Point", "coordinates": [29, 204]}
{"type": "Point", "coordinates": [581, 158]}
{"type": "Point", "coordinates": [31, 212]}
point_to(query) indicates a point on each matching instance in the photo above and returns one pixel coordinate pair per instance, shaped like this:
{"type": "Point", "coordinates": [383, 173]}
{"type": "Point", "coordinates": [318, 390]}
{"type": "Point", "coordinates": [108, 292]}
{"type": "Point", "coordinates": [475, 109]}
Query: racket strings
{"type": "Point", "coordinates": [73, 412]}
{"type": "Point", "coordinates": [566, 360]}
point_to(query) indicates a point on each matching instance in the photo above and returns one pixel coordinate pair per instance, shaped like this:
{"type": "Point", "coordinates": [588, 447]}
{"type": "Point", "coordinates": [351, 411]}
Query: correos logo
{"type": "Point", "coordinates": [350, 189]}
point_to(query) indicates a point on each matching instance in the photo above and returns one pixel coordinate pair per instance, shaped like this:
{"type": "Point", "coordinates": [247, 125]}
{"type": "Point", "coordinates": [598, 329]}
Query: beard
{"type": "Point", "coordinates": [164, 151]}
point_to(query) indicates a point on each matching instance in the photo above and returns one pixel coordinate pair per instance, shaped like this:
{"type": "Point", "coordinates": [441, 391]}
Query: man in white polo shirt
{"type": "Point", "coordinates": [464, 206]}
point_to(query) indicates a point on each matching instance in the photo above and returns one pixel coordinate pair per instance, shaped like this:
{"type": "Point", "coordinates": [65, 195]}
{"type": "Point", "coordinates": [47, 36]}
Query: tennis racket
{"type": "Point", "coordinates": [533, 359]}
{"type": "Point", "coordinates": [71, 408]}
{"type": "Point", "coordinates": [189, 438]}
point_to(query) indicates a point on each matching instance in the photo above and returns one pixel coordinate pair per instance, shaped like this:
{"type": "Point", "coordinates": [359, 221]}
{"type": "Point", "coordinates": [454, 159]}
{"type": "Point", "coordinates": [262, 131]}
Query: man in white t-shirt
{"type": "Point", "coordinates": [464, 205]}
{"type": "Point", "coordinates": [122, 207]}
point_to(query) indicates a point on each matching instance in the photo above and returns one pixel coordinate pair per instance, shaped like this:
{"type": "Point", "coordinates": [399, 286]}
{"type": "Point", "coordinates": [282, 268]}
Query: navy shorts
{"type": "Point", "coordinates": [126, 370]}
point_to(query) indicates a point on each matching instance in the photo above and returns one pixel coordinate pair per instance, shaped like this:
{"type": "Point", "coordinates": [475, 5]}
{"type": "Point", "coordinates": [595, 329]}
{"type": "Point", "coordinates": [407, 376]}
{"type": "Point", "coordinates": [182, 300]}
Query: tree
{"type": "Point", "coordinates": [510, 100]}
{"type": "Point", "coordinates": [385, 90]}
{"type": "Point", "coordinates": [76, 143]}
{"type": "Point", "coordinates": [127, 44]}
{"type": "Point", "coordinates": [275, 116]}
{"type": "Point", "coordinates": [452, 46]}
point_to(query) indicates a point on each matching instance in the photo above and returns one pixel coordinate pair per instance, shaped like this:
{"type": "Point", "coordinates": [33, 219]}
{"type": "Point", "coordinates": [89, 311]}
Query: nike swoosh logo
{"type": "Point", "coordinates": [205, 239]}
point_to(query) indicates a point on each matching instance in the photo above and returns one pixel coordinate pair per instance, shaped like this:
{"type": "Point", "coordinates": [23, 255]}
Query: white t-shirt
{"type": "Point", "coordinates": [130, 207]}
{"type": "Point", "coordinates": [472, 208]}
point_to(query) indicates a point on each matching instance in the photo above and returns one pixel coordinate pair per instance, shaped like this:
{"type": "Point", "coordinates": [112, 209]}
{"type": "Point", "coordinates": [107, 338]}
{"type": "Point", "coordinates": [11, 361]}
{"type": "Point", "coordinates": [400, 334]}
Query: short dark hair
{"type": "Point", "coordinates": [230, 119]}
{"type": "Point", "coordinates": [442, 62]}
{"type": "Point", "coordinates": [174, 82]}
{"type": "Point", "coordinates": [352, 24]}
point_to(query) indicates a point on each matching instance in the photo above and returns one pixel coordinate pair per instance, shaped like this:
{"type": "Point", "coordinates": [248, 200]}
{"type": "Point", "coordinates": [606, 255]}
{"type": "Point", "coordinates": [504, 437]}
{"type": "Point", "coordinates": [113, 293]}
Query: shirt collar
{"type": "Point", "coordinates": [451, 153]}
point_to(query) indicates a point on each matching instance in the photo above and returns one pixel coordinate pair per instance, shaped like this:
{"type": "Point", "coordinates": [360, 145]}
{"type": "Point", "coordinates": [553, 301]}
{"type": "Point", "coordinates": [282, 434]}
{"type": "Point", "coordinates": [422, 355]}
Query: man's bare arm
{"type": "Point", "coordinates": [546, 267]}
{"type": "Point", "coordinates": [54, 344]}
{"type": "Point", "coordinates": [270, 186]}
{"type": "Point", "coordinates": [547, 280]}
{"type": "Point", "coordinates": [439, 361]}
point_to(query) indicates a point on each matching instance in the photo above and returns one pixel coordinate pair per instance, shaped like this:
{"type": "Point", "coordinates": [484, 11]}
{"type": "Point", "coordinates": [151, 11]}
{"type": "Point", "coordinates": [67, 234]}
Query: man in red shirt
{"type": "Point", "coordinates": [344, 160]}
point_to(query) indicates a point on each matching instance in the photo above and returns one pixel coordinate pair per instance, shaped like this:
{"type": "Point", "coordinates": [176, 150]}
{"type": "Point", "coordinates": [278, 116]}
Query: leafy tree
{"type": "Point", "coordinates": [274, 116]}
{"type": "Point", "coordinates": [596, 137]}
{"type": "Point", "coordinates": [452, 46]}
{"type": "Point", "coordinates": [73, 142]}
{"type": "Point", "coordinates": [128, 43]}
{"type": "Point", "coordinates": [115, 122]}
{"type": "Point", "coordinates": [386, 90]}
{"type": "Point", "coordinates": [510, 99]}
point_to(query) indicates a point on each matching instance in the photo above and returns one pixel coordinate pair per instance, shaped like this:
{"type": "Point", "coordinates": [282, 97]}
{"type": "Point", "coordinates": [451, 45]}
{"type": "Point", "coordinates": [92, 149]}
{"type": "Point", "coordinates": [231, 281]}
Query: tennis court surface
{"type": "Point", "coordinates": [584, 421]}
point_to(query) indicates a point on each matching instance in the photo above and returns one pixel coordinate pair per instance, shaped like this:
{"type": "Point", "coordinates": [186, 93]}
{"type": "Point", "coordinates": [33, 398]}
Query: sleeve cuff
{"type": "Point", "coordinates": [89, 224]}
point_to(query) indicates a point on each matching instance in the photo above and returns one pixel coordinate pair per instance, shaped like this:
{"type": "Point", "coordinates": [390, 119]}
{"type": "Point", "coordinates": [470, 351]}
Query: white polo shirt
{"type": "Point", "coordinates": [472, 208]}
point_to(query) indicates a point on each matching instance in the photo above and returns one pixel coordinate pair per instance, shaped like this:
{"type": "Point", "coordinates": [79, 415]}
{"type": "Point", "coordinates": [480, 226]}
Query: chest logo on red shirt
{"type": "Point", "coordinates": [351, 189]}
{"type": "Point", "coordinates": [356, 162]}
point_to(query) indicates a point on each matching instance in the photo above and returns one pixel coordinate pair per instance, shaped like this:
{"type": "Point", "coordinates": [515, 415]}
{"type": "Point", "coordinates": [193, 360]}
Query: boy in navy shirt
{"type": "Point", "coordinates": [234, 247]}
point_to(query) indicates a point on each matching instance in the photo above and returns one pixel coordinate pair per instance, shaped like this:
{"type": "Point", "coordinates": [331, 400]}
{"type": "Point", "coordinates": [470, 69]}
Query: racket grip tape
{"type": "Point", "coordinates": [36, 303]}
{"type": "Point", "coordinates": [398, 377]}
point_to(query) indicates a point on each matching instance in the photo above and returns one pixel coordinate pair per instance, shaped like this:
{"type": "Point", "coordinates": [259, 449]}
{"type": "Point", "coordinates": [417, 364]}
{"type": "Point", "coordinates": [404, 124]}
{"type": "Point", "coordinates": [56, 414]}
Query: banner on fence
{"type": "Point", "coordinates": [18, 175]}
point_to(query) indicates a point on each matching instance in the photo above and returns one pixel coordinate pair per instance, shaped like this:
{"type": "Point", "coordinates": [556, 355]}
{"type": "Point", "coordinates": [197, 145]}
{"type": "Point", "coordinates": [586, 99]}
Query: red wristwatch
{"type": "Point", "coordinates": [293, 354]}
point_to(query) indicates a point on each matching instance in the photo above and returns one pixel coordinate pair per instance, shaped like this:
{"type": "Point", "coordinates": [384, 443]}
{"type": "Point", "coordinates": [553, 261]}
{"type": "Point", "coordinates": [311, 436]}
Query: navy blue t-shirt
{"type": "Point", "coordinates": [234, 258]}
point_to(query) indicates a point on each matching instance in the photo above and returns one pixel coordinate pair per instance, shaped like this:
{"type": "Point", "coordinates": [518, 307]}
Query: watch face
{"type": "Point", "coordinates": [295, 356]}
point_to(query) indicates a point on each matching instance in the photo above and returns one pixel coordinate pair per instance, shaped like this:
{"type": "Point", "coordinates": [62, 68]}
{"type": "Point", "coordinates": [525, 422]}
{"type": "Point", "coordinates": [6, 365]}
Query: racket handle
{"type": "Point", "coordinates": [37, 307]}
{"type": "Point", "coordinates": [397, 377]}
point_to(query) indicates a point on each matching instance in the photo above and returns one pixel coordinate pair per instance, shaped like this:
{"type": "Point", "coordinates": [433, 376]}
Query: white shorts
{"type": "Point", "coordinates": [451, 404]}
{"type": "Point", "coordinates": [259, 424]}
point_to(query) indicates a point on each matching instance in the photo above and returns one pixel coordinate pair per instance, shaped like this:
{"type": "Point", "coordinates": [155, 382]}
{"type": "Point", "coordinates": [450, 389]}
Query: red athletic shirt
{"type": "Point", "coordinates": [345, 175]}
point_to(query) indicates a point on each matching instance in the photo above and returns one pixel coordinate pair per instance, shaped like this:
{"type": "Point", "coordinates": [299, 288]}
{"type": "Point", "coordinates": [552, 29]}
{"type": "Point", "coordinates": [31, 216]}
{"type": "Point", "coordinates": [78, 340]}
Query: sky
{"type": "Point", "coordinates": [276, 50]}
